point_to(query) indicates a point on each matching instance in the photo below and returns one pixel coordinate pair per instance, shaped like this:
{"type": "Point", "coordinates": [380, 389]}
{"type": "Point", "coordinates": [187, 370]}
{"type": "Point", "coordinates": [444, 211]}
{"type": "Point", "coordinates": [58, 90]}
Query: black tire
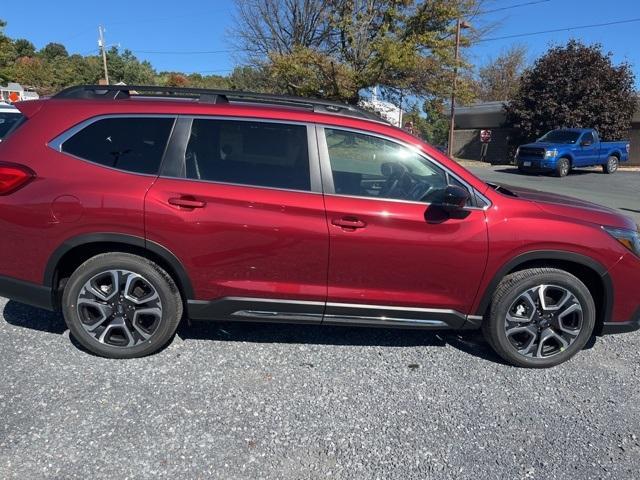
{"type": "Point", "coordinates": [563, 167]}
{"type": "Point", "coordinates": [611, 166]}
{"type": "Point", "coordinates": [514, 287]}
{"type": "Point", "coordinates": [152, 281]}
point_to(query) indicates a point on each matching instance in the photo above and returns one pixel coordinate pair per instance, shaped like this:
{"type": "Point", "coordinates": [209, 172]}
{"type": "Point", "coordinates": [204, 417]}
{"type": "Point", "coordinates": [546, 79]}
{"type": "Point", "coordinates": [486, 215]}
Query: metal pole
{"type": "Point", "coordinates": [104, 53]}
{"type": "Point", "coordinates": [453, 90]}
{"type": "Point", "coordinates": [400, 112]}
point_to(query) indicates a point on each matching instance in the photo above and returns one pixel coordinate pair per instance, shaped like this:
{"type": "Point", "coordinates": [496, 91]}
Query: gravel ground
{"type": "Point", "coordinates": [291, 402]}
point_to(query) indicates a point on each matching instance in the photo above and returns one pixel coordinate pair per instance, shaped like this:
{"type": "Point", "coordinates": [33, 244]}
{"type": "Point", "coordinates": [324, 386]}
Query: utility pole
{"type": "Point", "coordinates": [459, 26]}
{"type": "Point", "coordinates": [104, 52]}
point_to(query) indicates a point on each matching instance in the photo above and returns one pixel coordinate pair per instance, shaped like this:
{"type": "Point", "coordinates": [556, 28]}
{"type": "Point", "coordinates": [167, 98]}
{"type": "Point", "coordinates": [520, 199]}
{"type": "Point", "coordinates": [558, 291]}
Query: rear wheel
{"type": "Point", "coordinates": [563, 167]}
{"type": "Point", "coordinates": [120, 305]}
{"type": "Point", "coordinates": [540, 317]}
{"type": "Point", "coordinates": [612, 165]}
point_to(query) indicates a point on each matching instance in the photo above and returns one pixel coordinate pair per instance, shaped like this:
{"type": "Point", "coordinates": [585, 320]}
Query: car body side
{"type": "Point", "coordinates": [45, 226]}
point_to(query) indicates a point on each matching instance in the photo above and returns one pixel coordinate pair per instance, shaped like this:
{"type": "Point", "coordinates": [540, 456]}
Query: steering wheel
{"type": "Point", "coordinates": [397, 177]}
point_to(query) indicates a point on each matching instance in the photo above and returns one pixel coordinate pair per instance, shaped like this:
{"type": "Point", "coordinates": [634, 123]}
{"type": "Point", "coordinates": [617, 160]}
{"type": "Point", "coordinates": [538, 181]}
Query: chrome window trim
{"type": "Point", "coordinates": [315, 183]}
{"type": "Point", "coordinates": [57, 142]}
{"type": "Point", "coordinates": [229, 184]}
{"type": "Point", "coordinates": [327, 177]}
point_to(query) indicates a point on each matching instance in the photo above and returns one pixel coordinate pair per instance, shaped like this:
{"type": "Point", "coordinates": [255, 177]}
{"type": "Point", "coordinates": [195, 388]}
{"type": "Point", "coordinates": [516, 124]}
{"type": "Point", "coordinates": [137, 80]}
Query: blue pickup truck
{"type": "Point", "coordinates": [561, 150]}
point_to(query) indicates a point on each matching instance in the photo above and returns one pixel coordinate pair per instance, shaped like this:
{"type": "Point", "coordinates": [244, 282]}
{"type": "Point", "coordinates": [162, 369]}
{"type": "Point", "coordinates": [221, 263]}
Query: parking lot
{"type": "Point", "coordinates": [290, 402]}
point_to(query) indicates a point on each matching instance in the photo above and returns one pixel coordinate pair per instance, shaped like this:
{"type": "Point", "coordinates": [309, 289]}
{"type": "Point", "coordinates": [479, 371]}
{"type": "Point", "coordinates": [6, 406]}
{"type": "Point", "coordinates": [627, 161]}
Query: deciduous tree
{"type": "Point", "coordinates": [398, 45]}
{"type": "Point", "coordinates": [500, 78]}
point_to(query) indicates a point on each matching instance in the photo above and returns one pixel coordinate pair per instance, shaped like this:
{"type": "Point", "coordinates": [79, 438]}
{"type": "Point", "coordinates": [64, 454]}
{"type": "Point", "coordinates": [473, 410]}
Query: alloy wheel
{"type": "Point", "coordinates": [119, 308]}
{"type": "Point", "coordinates": [612, 164]}
{"type": "Point", "coordinates": [543, 321]}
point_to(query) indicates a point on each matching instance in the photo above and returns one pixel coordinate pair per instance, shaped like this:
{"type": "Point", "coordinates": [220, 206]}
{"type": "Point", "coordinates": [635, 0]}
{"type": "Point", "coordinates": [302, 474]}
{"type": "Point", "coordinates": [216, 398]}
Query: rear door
{"type": "Point", "coordinates": [394, 259]}
{"type": "Point", "coordinates": [239, 203]}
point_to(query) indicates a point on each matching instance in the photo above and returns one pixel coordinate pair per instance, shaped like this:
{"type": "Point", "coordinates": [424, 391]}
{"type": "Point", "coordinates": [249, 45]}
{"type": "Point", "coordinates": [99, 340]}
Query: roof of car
{"type": "Point", "coordinates": [215, 97]}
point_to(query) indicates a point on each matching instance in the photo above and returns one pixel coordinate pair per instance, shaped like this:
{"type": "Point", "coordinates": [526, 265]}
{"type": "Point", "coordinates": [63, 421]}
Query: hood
{"type": "Point", "coordinates": [573, 208]}
{"type": "Point", "coordinates": [545, 145]}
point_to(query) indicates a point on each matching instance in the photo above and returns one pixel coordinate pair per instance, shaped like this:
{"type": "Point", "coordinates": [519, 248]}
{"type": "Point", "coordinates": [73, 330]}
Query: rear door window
{"type": "Point", "coordinates": [264, 154]}
{"type": "Point", "coordinates": [133, 144]}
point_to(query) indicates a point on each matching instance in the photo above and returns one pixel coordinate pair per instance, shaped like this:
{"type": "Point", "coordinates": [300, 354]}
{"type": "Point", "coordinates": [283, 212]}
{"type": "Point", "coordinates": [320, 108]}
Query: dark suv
{"type": "Point", "coordinates": [131, 207]}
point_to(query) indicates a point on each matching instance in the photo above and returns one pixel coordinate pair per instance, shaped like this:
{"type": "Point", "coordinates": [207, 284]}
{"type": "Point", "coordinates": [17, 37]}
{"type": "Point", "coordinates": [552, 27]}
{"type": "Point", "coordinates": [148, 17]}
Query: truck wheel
{"type": "Point", "coordinates": [611, 166]}
{"type": "Point", "coordinates": [562, 167]}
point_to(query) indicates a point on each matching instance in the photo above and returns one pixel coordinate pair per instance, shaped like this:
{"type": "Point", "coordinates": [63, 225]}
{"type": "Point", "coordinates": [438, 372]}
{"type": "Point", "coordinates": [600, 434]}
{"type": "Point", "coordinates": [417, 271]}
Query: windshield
{"type": "Point", "coordinates": [7, 121]}
{"type": "Point", "coordinates": [560, 136]}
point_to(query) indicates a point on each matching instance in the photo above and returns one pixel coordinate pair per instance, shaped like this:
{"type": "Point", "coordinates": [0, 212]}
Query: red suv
{"type": "Point", "coordinates": [131, 207]}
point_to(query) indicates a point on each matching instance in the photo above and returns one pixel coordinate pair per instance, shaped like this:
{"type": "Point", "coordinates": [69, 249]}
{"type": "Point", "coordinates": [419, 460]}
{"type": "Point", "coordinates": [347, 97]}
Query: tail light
{"type": "Point", "coordinates": [14, 177]}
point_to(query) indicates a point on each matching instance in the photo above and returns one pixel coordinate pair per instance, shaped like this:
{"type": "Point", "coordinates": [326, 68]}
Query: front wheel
{"type": "Point", "coordinates": [563, 167]}
{"type": "Point", "coordinates": [611, 166]}
{"type": "Point", "coordinates": [540, 317]}
{"type": "Point", "coordinates": [119, 305]}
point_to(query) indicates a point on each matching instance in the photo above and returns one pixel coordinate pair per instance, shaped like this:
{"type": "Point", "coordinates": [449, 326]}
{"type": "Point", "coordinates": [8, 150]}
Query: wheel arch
{"type": "Point", "coordinates": [75, 251]}
{"type": "Point", "coordinates": [590, 272]}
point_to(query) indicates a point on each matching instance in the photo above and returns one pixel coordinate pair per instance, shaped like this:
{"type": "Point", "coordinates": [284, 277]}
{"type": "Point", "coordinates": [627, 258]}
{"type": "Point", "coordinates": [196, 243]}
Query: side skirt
{"type": "Point", "coordinates": [26, 292]}
{"type": "Point", "coordinates": [241, 309]}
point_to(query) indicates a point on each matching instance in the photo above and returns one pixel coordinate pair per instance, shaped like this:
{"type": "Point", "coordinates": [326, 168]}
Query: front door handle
{"type": "Point", "coordinates": [349, 223]}
{"type": "Point", "coordinates": [187, 202]}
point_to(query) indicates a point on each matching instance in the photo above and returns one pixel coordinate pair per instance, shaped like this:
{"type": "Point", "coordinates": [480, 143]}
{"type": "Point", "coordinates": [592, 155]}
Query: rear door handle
{"type": "Point", "coordinates": [350, 223]}
{"type": "Point", "coordinates": [187, 202]}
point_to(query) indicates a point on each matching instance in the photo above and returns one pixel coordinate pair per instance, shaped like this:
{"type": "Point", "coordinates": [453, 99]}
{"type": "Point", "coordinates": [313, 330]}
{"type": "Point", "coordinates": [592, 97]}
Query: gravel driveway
{"type": "Point", "coordinates": [291, 402]}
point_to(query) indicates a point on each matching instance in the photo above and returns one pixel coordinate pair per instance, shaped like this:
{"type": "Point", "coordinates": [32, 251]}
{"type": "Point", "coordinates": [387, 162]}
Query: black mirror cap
{"type": "Point", "coordinates": [454, 198]}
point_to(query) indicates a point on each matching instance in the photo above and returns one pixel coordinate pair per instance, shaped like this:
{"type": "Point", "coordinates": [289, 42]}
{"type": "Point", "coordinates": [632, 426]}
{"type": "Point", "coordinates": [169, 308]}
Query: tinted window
{"type": "Point", "coordinates": [131, 144]}
{"type": "Point", "coordinates": [560, 136]}
{"type": "Point", "coordinates": [249, 153]}
{"type": "Point", "coordinates": [7, 121]}
{"type": "Point", "coordinates": [369, 166]}
{"type": "Point", "coordinates": [588, 137]}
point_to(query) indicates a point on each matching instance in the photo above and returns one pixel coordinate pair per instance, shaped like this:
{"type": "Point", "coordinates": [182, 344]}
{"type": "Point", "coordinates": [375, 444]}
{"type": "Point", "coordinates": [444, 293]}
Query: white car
{"type": "Point", "coordinates": [9, 116]}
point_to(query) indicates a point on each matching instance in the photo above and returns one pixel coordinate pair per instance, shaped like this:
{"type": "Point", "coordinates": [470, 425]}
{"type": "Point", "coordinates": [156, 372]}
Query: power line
{"type": "Point", "coordinates": [182, 52]}
{"type": "Point", "coordinates": [555, 30]}
{"type": "Point", "coordinates": [526, 4]}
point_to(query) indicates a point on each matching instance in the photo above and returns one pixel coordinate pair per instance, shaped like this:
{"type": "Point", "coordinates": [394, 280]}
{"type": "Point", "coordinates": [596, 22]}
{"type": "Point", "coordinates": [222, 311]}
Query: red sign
{"type": "Point", "coordinates": [485, 136]}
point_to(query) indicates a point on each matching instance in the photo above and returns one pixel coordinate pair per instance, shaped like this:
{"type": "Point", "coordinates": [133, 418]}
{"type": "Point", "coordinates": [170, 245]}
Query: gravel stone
{"type": "Point", "coordinates": [256, 401]}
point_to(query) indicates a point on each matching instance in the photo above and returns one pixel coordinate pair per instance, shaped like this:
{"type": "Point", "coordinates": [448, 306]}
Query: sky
{"type": "Point", "coordinates": [172, 35]}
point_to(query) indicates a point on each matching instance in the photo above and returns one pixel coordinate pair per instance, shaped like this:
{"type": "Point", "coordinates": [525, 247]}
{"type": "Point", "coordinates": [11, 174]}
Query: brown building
{"type": "Point", "coordinates": [470, 120]}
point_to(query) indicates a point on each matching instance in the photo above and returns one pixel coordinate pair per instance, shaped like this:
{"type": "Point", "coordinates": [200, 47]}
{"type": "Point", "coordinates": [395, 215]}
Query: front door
{"type": "Point", "coordinates": [587, 151]}
{"type": "Point", "coordinates": [241, 214]}
{"type": "Point", "coordinates": [394, 258]}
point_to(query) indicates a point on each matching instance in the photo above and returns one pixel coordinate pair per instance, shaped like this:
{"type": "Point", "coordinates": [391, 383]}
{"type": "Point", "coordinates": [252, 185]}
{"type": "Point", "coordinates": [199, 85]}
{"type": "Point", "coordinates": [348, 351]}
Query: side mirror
{"type": "Point", "coordinates": [453, 199]}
